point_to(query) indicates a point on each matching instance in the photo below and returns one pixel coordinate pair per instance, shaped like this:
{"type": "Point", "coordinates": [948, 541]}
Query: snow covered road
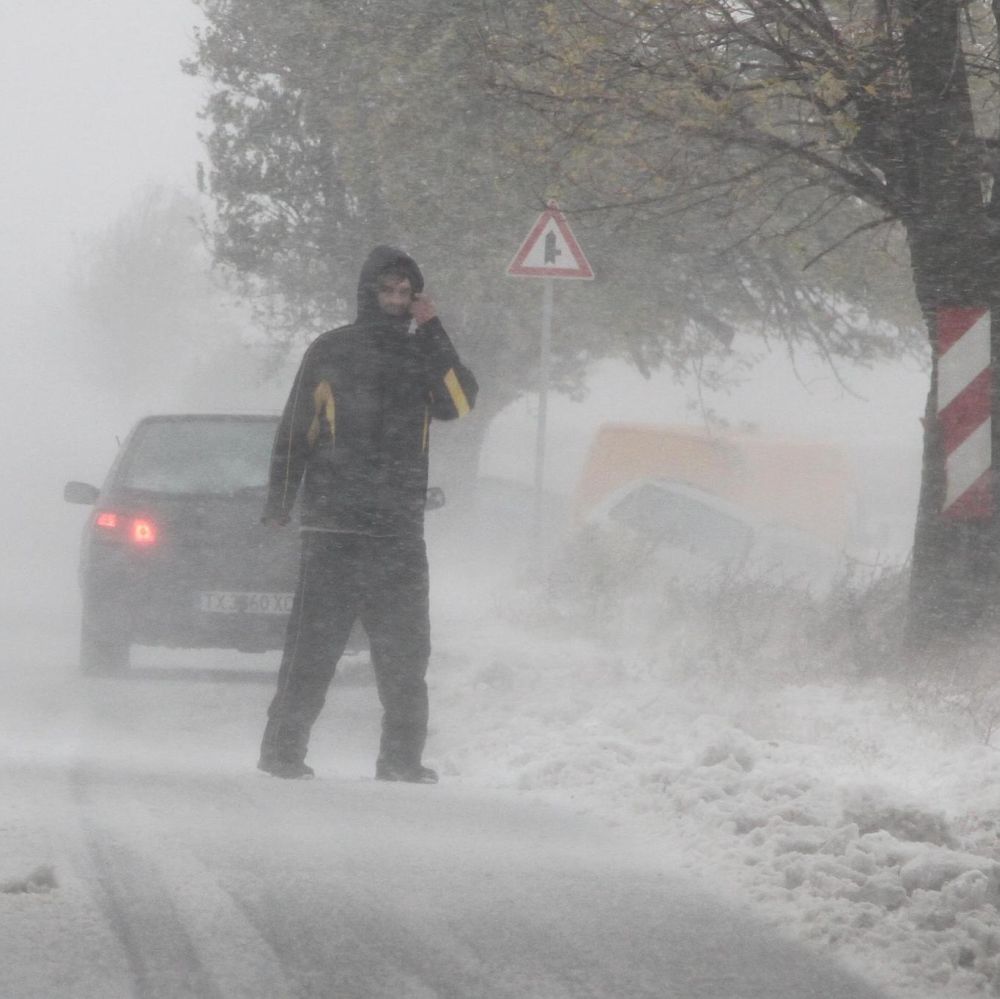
{"type": "Point", "coordinates": [224, 886]}
{"type": "Point", "coordinates": [180, 872]}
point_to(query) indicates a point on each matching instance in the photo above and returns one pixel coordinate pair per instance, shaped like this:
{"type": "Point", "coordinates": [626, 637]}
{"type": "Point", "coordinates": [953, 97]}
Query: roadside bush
{"type": "Point", "coordinates": [734, 624]}
{"type": "Point", "coordinates": [957, 688]}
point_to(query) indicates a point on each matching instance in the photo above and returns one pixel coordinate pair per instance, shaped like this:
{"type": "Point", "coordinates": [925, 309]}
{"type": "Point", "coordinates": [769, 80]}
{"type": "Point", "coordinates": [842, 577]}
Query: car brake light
{"type": "Point", "coordinates": [143, 532]}
{"type": "Point", "coordinates": [139, 531]}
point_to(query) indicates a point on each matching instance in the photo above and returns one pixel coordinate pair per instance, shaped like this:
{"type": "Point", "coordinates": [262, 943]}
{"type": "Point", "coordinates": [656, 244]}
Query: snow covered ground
{"type": "Point", "coordinates": [861, 816]}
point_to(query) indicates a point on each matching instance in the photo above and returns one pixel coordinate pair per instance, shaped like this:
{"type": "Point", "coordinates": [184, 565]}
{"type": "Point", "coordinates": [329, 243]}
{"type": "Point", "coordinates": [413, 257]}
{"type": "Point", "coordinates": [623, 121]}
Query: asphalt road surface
{"type": "Point", "coordinates": [181, 872]}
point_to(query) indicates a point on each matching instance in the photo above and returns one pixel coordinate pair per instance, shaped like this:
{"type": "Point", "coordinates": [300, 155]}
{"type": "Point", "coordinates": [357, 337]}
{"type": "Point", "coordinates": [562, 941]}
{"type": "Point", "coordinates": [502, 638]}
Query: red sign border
{"type": "Point", "coordinates": [583, 271]}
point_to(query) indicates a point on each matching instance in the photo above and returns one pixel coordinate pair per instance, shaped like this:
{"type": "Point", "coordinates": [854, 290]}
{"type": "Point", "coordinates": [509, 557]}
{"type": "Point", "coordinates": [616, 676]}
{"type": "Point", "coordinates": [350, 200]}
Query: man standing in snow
{"type": "Point", "coordinates": [356, 427]}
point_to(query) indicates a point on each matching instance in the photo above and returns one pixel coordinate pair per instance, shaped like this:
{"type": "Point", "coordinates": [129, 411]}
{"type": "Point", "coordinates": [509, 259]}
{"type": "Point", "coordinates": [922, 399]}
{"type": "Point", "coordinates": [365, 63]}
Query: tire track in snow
{"type": "Point", "coordinates": [180, 932]}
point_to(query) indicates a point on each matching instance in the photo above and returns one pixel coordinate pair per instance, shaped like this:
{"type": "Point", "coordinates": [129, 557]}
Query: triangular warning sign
{"type": "Point", "coordinates": [550, 250]}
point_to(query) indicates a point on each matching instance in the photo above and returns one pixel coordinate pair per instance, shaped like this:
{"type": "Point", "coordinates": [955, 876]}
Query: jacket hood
{"type": "Point", "coordinates": [380, 260]}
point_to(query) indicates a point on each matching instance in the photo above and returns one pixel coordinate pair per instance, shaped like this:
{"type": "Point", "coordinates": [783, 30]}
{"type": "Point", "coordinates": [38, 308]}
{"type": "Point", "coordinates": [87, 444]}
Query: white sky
{"type": "Point", "coordinates": [94, 108]}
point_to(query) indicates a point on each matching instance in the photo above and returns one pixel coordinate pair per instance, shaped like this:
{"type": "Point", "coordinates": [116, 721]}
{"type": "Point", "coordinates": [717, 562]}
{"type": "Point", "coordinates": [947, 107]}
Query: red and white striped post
{"type": "Point", "coordinates": [964, 408]}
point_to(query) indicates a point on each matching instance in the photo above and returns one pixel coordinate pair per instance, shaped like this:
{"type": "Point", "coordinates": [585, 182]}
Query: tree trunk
{"type": "Point", "coordinates": [954, 577]}
{"type": "Point", "coordinates": [953, 257]}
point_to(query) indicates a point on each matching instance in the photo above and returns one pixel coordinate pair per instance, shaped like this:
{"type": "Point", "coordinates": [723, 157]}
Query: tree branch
{"type": "Point", "coordinates": [867, 227]}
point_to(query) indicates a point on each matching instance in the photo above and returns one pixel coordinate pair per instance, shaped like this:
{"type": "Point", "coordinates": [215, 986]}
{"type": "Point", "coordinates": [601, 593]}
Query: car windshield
{"type": "Point", "coordinates": [683, 522]}
{"type": "Point", "coordinates": [213, 456]}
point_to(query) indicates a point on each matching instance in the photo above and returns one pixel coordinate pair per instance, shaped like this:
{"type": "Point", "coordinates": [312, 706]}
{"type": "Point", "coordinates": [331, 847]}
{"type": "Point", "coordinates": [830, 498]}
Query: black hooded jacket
{"type": "Point", "coordinates": [357, 422]}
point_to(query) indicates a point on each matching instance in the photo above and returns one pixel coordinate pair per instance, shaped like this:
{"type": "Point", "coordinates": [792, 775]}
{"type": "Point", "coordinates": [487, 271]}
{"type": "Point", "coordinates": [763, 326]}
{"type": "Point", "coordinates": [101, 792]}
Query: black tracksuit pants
{"type": "Point", "coordinates": [343, 577]}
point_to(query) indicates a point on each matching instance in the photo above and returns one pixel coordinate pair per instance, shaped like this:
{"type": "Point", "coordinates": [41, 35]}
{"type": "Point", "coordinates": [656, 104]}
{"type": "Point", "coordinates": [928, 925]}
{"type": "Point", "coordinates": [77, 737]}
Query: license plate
{"type": "Point", "coordinates": [226, 602]}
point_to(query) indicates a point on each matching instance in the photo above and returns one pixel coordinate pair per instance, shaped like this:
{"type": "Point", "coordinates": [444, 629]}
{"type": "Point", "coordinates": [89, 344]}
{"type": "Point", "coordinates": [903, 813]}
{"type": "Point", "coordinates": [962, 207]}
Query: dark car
{"type": "Point", "coordinates": [174, 553]}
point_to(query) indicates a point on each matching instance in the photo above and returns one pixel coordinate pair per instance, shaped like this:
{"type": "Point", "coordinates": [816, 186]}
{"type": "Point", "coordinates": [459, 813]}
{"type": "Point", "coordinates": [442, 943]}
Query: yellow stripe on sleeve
{"type": "Point", "coordinates": [324, 406]}
{"type": "Point", "coordinates": [451, 383]}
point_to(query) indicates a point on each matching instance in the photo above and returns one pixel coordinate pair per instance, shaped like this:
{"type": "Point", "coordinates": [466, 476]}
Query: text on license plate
{"type": "Point", "coordinates": [225, 602]}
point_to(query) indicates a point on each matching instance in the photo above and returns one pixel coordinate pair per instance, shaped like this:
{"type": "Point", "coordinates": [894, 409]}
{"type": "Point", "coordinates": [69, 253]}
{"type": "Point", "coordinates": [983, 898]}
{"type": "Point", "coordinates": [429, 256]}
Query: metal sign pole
{"type": "Point", "coordinates": [543, 393]}
{"type": "Point", "coordinates": [549, 251]}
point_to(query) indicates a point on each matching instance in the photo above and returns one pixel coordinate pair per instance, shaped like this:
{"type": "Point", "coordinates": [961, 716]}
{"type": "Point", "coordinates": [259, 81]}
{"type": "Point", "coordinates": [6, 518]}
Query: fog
{"type": "Point", "coordinates": [90, 127]}
{"type": "Point", "coordinates": [95, 108]}
{"type": "Point", "coordinates": [787, 788]}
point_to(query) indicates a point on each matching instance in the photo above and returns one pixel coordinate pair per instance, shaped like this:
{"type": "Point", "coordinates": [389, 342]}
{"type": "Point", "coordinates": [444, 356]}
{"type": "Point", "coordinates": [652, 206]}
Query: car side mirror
{"type": "Point", "coordinates": [80, 492]}
{"type": "Point", "coordinates": [435, 498]}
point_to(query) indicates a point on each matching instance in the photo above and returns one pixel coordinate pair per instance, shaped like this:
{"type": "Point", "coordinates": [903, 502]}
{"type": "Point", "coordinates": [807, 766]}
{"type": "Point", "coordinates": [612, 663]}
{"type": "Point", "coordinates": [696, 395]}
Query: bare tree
{"type": "Point", "coordinates": [786, 115]}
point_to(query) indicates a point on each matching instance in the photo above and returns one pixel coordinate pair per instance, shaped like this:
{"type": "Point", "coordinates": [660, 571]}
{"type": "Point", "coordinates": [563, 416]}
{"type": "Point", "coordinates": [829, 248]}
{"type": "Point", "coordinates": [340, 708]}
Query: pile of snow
{"type": "Point", "coordinates": [854, 815]}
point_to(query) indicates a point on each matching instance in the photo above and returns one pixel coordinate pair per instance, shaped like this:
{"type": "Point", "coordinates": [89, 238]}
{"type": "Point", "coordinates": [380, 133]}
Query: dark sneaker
{"type": "Point", "coordinates": [289, 769]}
{"type": "Point", "coordinates": [412, 775]}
